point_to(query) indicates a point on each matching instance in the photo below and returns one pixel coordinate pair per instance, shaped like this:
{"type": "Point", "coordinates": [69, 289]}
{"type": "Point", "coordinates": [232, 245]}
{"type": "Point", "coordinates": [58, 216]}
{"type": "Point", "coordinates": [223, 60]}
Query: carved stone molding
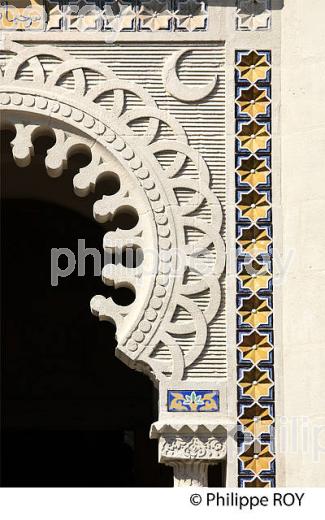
{"type": "Point", "coordinates": [189, 447]}
{"type": "Point", "coordinates": [191, 454]}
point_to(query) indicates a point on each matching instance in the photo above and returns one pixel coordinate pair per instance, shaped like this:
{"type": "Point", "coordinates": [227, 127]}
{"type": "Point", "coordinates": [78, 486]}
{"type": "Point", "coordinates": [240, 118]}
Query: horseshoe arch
{"type": "Point", "coordinates": [155, 321]}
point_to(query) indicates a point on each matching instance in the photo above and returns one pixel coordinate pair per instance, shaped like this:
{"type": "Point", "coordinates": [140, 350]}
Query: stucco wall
{"type": "Point", "coordinates": [303, 219]}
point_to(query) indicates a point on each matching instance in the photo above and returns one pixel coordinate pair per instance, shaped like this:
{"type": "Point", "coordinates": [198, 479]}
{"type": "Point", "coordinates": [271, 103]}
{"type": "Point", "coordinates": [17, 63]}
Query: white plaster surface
{"type": "Point", "coordinates": [303, 212]}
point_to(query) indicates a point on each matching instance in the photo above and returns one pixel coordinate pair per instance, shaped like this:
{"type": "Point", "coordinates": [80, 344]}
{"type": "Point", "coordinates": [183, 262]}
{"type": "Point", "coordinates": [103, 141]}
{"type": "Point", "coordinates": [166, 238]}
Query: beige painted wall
{"type": "Point", "coordinates": [303, 214]}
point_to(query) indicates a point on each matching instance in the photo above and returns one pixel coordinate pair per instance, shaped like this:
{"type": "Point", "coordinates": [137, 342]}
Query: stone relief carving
{"type": "Point", "coordinates": [188, 447]}
{"type": "Point", "coordinates": [147, 188]}
{"type": "Point", "coordinates": [253, 15]}
{"type": "Point", "coordinates": [178, 89]}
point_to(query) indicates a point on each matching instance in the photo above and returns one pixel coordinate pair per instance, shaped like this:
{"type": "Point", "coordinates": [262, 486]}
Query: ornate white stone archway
{"type": "Point", "coordinates": [174, 271]}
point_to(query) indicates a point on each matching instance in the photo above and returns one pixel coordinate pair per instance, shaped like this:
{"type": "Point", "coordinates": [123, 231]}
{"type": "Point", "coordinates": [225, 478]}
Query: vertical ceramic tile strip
{"type": "Point", "coordinates": [255, 367]}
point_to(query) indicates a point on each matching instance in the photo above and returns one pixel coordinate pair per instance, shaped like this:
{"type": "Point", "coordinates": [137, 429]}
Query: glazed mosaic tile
{"type": "Point", "coordinates": [105, 15]}
{"type": "Point", "coordinates": [193, 401]}
{"type": "Point", "coordinates": [254, 235]}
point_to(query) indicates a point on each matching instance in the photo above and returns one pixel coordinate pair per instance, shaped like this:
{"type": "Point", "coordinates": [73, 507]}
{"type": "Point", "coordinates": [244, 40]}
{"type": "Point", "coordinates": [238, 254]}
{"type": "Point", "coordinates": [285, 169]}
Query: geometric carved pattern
{"type": "Point", "coordinates": [105, 15]}
{"type": "Point", "coordinates": [253, 15]}
{"type": "Point", "coordinates": [254, 234]}
{"type": "Point", "coordinates": [162, 196]}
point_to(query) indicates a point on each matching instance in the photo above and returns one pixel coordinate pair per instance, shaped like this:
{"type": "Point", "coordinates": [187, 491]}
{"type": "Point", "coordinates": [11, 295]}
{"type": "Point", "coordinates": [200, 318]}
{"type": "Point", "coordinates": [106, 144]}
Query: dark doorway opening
{"type": "Point", "coordinates": [72, 414]}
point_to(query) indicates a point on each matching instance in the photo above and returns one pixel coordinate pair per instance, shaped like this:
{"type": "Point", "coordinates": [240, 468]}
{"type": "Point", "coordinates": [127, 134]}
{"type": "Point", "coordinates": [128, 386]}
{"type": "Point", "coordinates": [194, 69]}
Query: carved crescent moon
{"type": "Point", "coordinates": [176, 88]}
